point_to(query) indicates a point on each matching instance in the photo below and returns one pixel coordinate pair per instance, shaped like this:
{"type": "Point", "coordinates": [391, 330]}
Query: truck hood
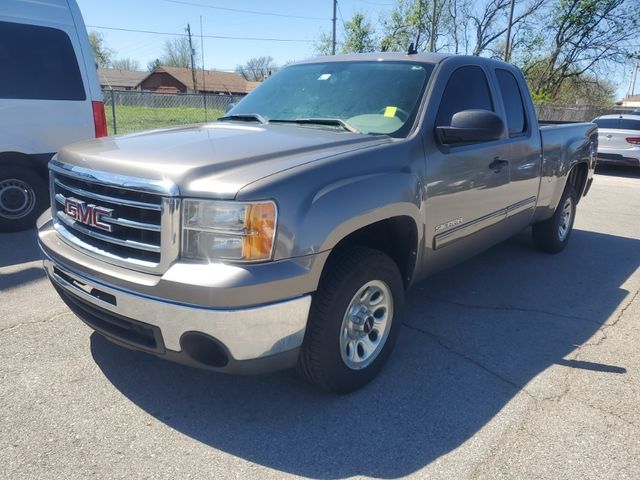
{"type": "Point", "coordinates": [213, 160]}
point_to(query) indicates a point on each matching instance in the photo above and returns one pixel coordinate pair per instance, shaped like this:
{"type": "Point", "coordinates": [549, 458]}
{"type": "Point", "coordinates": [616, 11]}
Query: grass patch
{"type": "Point", "coordinates": [135, 119]}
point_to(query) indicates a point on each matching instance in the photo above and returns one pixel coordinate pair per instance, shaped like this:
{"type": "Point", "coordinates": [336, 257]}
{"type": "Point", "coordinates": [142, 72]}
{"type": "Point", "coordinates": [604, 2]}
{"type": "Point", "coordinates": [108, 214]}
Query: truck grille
{"type": "Point", "coordinates": [135, 221]}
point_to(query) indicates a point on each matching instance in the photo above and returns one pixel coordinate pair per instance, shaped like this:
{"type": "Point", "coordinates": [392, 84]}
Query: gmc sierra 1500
{"type": "Point", "coordinates": [287, 232]}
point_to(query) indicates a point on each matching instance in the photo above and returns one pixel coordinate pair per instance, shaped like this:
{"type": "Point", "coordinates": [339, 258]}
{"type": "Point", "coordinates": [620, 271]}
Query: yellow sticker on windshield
{"type": "Point", "coordinates": [390, 111]}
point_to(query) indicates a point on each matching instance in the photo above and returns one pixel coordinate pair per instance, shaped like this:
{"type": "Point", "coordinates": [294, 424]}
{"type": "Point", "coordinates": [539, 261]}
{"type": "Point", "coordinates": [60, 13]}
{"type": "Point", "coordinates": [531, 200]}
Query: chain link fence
{"type": "Point", "coordinates": [133, 111]}
{"type": "Point", "coordinates": [576, 113]}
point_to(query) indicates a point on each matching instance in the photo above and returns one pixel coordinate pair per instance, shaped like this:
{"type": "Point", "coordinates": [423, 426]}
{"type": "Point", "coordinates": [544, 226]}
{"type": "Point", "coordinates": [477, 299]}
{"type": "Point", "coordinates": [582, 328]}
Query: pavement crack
{"type": "Point", "coordinates": [510, 308]}
{"type": "Point", "coordinates": [604, 411]}
{"type": "Point", "coordinates": [22, 324]}
{"type": "Point", "coordinates": [469, 359]}
{"type": "Point", "coordinates": [604, 328]}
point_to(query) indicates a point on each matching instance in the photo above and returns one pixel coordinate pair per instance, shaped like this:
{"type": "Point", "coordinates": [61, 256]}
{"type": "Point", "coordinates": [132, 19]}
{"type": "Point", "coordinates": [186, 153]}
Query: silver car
{"type": "Point", "coordinates": [619, 140]}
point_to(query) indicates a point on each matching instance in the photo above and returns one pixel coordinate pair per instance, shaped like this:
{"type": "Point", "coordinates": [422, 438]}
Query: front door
{"type": "Point", "coordinates": [466, 184]}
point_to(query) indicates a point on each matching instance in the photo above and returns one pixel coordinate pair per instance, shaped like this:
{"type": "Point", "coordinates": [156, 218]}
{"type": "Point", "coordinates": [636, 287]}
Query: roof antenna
{"type": "Point", "coordinates": [412, 49]}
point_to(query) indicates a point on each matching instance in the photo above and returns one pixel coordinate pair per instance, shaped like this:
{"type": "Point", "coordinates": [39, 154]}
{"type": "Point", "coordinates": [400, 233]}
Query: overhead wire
{"type": "Point", "coordinates": [220, 37]}
{"type": "Point", "coordinates": [238, 10]}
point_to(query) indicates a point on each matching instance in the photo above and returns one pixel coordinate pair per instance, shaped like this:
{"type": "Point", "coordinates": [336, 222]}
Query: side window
{"type": "Point", "coordinates": [466, 89]}
{"type": "Point", "coordinates": [38, 63]}
{"type": "Point", "coordinates": [512, 98]}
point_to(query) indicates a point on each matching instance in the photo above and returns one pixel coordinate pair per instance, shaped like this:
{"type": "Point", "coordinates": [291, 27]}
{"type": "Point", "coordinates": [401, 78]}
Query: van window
{"type": "Point", "coordinates": [512, 99]}
{"type": "Point", "coordinates": [466, 89]}
{"type": "Point", "coordinates": [38, 63]}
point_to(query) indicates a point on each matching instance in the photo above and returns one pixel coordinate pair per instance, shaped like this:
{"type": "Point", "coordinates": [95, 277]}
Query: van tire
{"type": "Point", "coordinates": [24, 195]}
{"type": "Point", "coordinates": [552, 235]}
{"type": "Point", "coordinates": [353, 274]}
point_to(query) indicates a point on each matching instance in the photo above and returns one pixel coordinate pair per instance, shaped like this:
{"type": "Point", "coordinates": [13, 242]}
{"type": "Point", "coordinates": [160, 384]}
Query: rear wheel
{"type": "Point", "coordinates": [552, 235]}
{"type": "Point", "coordinates": [23, 197]}
{"type": "Point", "coordinates": [353, 322]}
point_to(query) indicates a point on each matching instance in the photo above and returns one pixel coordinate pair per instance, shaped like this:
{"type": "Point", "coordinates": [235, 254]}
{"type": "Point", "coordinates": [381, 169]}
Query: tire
{"type": "Point", "coordinates": [552, 235]}
{"type": "Point", "coordinates": [342, 353]}
{"type": "Point", "coordinates": [24, 195]}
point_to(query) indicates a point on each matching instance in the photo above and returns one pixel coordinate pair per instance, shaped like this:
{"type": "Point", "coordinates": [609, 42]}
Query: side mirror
{"type": "Point", "coordinates": [230, 106]}
{"type": "Point", "coordinates": [471, 126]}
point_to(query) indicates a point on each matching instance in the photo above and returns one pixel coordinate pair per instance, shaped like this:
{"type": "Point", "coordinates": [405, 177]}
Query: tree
{"type": "Point", "coordinates": [490, 22]}
{"type": "Point", "coordinates": [582, 38]}
{"type": "Point", "coordinates": [420, 22]}
{"type": "Point", "coordinates": [153, 64]}
{"type": "Point", "coordinates": [125, 64]}
{"type": "Point", "coordinates": [324, 45]}
{"type": "Point", "coordinates": [101, 53]}
{"type": "Point", "coordinates": [177, 53]}
{"type": "Point", "coordinates": [257, 69]}
{"type": "Point", "coordinates": [359, 35]}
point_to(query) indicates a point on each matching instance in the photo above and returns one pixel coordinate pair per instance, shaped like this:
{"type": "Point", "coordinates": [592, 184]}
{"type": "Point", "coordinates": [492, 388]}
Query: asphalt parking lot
{"type": "Point", "coordinates": [514, 364]}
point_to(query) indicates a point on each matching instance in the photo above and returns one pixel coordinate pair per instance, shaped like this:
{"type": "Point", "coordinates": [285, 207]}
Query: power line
{"type": "Point", "coordinates": [220, 37]}
{"type": "Point", "coordinates": [238, 10]}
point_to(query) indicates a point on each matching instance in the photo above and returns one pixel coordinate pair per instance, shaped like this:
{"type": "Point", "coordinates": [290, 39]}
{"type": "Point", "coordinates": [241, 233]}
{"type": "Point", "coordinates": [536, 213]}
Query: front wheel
{"type": "Point", "coordinates": [353, 322]}
{"type": "Point", "coordinates": [552, 235]}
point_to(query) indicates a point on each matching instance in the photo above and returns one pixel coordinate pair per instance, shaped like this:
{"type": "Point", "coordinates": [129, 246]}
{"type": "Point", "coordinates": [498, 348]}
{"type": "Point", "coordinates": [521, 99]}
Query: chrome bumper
{"type": "Point", "coordinates": [247, 334]}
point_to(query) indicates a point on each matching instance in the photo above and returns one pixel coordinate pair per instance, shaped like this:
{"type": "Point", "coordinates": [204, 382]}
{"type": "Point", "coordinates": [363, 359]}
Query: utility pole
{"type": "Point", "coordinates": [333, 43]}
{"type": "Point", "coordinates": [193, 66]}
{"type": "Point", "coordinates": [507, 53]}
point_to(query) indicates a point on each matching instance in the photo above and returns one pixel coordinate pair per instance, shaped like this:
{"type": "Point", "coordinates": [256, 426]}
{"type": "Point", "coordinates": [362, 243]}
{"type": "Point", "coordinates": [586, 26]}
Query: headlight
{"type": "Point", "coordinates": [214, 230]}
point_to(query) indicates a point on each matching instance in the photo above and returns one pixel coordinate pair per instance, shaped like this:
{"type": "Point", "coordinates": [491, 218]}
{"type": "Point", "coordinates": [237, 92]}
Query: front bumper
{"type": "Point", "coordinates": [130, 309]}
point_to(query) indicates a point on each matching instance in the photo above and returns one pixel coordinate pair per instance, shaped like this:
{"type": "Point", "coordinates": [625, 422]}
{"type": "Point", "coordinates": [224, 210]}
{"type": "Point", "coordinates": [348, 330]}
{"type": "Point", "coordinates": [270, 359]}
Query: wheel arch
{"type": "Point", "coordinates": [20, 159]}
{"type": "Point", "coordinates": [395, 236]}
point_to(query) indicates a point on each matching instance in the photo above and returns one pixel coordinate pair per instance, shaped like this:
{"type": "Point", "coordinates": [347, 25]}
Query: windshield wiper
{"type": "Point", "coordinates": [333, 122]}
{"type": "Point", "coordinates": [244, 117]}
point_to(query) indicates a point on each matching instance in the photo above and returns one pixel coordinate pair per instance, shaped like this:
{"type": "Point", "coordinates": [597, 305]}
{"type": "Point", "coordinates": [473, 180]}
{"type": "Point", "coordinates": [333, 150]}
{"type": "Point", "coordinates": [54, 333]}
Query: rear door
{"type": "Point", "coordinates": [44, 102]}
{"type": "Point", "coordinates": [524, 147]}
{"type": "Point", "coordinates": [466, 184]}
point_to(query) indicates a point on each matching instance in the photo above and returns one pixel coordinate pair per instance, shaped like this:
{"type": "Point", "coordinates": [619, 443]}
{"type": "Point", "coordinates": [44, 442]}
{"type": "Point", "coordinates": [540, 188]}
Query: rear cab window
{"type": "Point", "coordinates": [38, 63]}
{"type": "Point", "coordinates": [513, 104]}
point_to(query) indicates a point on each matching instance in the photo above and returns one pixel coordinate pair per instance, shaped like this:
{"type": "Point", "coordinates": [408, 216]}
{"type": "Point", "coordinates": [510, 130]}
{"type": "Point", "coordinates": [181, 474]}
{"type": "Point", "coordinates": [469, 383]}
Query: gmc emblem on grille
{"type": "Point", "coordinates": [88, 213]}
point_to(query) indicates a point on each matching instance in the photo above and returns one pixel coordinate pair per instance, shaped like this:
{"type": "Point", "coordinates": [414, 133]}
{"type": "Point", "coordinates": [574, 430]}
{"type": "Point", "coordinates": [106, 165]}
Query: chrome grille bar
{"type": "Point", "coordinates": [108, 198]}
{"type": "Point", "coordinates": [106, 238]}
{"type": "Point", "coordinates": [125, 222]}
{"type": "Point", "coordinates": [144, 215]}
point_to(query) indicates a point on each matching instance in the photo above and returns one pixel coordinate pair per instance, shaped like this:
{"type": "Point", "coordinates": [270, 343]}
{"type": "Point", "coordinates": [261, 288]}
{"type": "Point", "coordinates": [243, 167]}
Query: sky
{"type": "Point", "coordinates": [221, 54]}
{"type": "Point", "coordinates": [297, 25]}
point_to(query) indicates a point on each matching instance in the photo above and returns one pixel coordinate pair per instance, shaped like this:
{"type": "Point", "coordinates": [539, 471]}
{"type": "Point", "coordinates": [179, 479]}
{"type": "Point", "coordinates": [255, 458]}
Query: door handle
{"type": "Point", "coordinates": [497, 164]}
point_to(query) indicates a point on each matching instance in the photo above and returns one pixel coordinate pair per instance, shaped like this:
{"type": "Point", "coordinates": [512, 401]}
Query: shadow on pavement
{"type": "Point", "coordinates": [15, 249]}
{"type": "Point", "coordinates": [618, 171]}
{"type": "Point", "coordinates": [474, 336]}
{"type": "Point", "coordinates": [19, 247]}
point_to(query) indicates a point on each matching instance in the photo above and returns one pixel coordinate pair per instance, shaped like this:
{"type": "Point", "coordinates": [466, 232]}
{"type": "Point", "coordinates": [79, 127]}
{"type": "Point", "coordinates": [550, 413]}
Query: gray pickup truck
{"type": "Point", "coordinates": [287, 232]}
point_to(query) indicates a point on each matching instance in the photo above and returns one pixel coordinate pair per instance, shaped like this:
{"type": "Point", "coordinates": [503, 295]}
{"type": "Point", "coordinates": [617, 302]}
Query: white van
{"type": "Point", "coordinates": [49, 97]}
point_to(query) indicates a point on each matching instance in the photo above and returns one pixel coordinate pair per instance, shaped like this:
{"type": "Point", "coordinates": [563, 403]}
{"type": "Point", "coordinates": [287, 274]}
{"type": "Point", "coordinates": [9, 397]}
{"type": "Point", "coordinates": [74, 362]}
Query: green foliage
{"type": "Point", "coordinates": [359, 35]}
{"type": "Point", "coordinates": [323, 46]}
{"type": "Point", "coordinates": [101, 53]}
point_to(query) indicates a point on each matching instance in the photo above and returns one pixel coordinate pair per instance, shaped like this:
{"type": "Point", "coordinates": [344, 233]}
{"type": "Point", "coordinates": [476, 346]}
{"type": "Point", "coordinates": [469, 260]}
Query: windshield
{"type": "Point", "coordinates": [370, 97]}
